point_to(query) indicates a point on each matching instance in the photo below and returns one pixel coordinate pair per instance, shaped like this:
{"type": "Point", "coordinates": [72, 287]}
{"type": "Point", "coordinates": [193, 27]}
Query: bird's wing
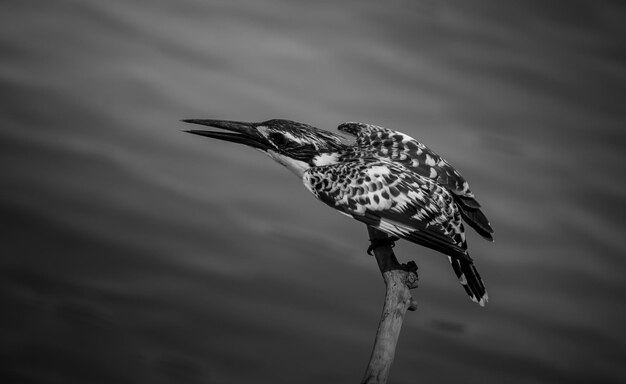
{"type": "Point", "coordinates": [393, 199]}
{"type": "Point", "coordinates": [403, 149]}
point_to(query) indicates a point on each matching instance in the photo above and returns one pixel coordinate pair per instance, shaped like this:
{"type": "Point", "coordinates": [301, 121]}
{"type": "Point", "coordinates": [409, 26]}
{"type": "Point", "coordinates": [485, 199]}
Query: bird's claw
{"type": "Point", "coordinates": [375, 243]}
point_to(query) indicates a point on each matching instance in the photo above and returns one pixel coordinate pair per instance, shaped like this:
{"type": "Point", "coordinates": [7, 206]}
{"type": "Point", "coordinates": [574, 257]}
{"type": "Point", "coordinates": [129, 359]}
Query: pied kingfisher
{"type": "Point", "coordinates": [385, 179]}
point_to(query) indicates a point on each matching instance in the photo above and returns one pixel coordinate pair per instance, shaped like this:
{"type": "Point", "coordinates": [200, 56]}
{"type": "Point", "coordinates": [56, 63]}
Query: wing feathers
{"type": "Point", "coordinates": [423, 238]}
{"type": "Point", "coordinates": [399, 202]}
{"type": "Point", "coordinates": [394, 199]}
{"type": "Point", "coordinates": [478, 221]}
{"type": "Point", "coordinates": [397, 147]}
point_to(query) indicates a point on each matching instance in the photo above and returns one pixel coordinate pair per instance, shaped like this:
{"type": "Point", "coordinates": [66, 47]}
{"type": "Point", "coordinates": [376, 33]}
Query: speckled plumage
{"type": "Point", "coordinates": [387, 195]}
{"type": "Point", "coordinates": [386, 179]}
{"type": "Point", "coordinates": [402, 203]}
{"type": "Point", "coordinates": [380, 142]}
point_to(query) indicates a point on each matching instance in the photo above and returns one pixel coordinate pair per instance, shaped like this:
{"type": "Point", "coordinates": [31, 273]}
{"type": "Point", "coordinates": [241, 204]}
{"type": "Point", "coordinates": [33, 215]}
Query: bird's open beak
{"type": "Point", "coordinates": [238, 132]}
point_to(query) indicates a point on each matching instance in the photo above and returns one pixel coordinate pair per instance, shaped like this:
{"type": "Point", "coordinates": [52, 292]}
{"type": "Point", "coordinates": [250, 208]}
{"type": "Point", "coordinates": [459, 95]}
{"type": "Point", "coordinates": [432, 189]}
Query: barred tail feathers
{"type": "Point", "coordinates": [470, 280]}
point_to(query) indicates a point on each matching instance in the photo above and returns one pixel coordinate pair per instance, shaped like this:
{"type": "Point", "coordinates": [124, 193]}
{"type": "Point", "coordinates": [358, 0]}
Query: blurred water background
{"type": "Point", "coordinates": [132, 252]}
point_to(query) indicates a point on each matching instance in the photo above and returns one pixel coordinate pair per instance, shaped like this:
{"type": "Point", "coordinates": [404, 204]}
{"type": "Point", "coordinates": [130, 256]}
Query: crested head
{"type": "Point", "coordinates": [300, 146]}
{"type": "Point", "coordinates": [298, 138]}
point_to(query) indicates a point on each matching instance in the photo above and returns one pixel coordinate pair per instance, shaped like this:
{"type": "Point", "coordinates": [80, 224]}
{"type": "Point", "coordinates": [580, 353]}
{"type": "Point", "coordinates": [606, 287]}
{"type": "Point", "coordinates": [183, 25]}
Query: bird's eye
{"type": "Point", "coordinates": [278, 138]}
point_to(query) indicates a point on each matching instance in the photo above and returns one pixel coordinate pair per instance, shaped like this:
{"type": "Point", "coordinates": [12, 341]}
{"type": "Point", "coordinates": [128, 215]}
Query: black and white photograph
{"type": "Point", "coordinates": [289, 191]}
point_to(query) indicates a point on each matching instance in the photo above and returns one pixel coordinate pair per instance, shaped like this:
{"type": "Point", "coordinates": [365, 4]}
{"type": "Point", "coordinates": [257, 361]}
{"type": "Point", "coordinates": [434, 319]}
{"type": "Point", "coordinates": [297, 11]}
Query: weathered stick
{"type": "Point", "coordinates": [399, 278]}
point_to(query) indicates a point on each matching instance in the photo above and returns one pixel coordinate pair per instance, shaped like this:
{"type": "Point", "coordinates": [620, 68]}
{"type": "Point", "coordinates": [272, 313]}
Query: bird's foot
{"type": "Point", "coordinates": [375, 243]}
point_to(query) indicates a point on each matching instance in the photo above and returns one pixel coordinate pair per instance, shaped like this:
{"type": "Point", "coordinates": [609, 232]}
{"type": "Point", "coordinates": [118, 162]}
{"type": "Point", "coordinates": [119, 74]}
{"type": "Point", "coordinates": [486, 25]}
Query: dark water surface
{"type": "Point", "coordinates": [134, 253]}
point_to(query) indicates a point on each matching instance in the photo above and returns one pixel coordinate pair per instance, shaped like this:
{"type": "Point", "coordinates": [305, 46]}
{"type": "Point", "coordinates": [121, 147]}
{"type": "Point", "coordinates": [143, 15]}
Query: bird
{"type": "Point", "coordinates": [378, 176]}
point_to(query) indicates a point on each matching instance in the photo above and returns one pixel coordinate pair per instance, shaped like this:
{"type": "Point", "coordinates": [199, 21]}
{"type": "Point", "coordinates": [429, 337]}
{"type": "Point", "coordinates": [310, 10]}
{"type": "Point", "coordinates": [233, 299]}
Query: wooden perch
{"type": "Point", "coordinates": [399, 278]}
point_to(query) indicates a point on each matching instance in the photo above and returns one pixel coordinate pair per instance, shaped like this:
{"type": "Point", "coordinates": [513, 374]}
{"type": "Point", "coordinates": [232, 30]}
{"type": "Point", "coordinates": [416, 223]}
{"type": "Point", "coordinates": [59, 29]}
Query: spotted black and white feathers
{"type": "Point", "coordinates": [389, 197]}
{"type": "Point", "coordinates": [402, 203]}
{"type": "Point", "coordinates": [386, 179]}
{"type": "Point", "coordinates": [372, 140]}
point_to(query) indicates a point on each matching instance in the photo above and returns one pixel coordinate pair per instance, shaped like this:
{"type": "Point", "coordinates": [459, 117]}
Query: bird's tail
{"type": "Point", "coordinates": [470, 280]}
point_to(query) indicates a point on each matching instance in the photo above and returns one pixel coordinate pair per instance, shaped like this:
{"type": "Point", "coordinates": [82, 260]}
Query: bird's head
{"type": "Point", "coordinates": [295, 145]}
